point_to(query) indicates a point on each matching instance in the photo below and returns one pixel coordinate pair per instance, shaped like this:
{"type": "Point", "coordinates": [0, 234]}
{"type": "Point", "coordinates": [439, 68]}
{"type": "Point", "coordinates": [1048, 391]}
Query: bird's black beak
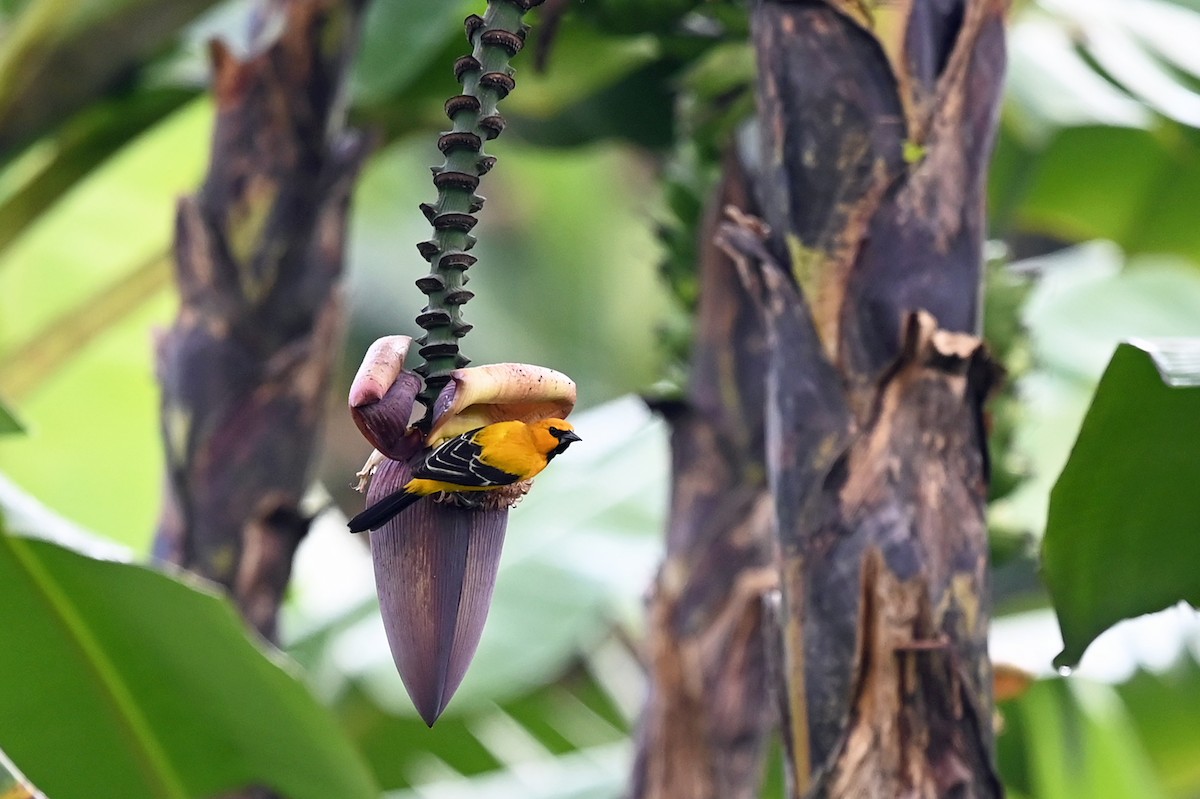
{"type": "Point", "coordinates": [565, 437]}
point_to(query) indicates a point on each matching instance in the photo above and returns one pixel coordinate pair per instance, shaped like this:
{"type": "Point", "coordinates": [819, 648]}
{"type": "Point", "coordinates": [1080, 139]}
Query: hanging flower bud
{"type": "Point", "coordinates": [436, 561]}
{"type": "Point", "coordinates": [435, 569]}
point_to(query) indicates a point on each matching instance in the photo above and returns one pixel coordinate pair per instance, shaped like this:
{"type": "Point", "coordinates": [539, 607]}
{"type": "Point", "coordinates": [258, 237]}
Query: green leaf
{"type": "Point", "coordinates": [582, 63]}
{"type": "Point", "coordinates": [593, 773]}
{"type": "Point", "coordinates": [1136, 44]}
{"type": "Point", "coordinates": [569, 714]}
{"type": "Point", "coordinates": [80, 291]}
{"type": "Point", "coordinates": [384, 69]}
{"type": "Point", "coordinates": [1163, 707]}
{"type": "Point", "coordinates": [1121, 537]}
{"type": "Point", "coordinates": [1090, 299]}
{"type": "Point", "coordinates": [150, 687]}
{"type": "Point", "coordinates": [1078, 738]}
{"type": "Point", "coordinates": [1071, 738]}
{"type": "Point", "coordinates": [8, 421]}
{"type": "Point", "coordinates": [723, 68]}
{"type": "Point", "coordinates": [1086, 301]}
{"type": "Point", "coordinates": [1142, 199]}
{"type": "Point", "coordinates": [44, 174]}
{"type": "Point", "coordinates": [120, 217]}
{"type": "Point", "coordinates": [1051, 86]}
{"type": "Point", "coordinates": [56, 57]}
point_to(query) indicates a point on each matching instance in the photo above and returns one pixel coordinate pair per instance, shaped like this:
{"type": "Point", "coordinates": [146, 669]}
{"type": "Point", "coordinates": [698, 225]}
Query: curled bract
{"type": "Point", "coordinates": [497, 392]}
{"type": "Point", "coordinates": [381, 365]}
{"type": "Point", "coordinates": [382, 397]}
{"type": "Point", "coordinates": [383, 394]}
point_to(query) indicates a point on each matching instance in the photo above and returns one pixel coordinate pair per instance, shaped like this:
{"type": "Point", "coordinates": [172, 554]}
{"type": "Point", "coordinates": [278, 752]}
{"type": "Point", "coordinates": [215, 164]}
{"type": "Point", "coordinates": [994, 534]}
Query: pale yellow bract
{"type": "Point", "coordinates": [478, 395]}
{"type": "Point", "coordinates": [501, 392]}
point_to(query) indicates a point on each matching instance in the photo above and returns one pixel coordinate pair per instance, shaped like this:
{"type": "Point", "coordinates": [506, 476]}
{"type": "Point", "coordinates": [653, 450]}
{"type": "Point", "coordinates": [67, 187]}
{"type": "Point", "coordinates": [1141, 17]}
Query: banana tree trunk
{"type": "Point", "coordinates": [245, 367]}
{"type": "Point", "coordinates": [859, 246]}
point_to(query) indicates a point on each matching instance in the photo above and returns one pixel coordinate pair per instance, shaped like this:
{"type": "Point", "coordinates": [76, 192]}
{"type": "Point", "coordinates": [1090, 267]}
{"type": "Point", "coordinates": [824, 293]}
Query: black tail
{"type": "Point", "coordinates": [378, 514]}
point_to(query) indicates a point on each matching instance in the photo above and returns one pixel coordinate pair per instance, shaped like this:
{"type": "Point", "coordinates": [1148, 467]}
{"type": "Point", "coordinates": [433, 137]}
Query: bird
{"type": "Point", "coordinates": [483, 459]}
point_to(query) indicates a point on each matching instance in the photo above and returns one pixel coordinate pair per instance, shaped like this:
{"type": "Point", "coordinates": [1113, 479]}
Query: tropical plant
{"type": "Point", "coordinates": [140, 679]}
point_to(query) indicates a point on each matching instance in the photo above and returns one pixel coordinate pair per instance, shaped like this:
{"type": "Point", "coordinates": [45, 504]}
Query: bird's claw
{"type": "Point", "coordinates": [365, 473]}
{"type": "Point", "coordinates": [463, 501]}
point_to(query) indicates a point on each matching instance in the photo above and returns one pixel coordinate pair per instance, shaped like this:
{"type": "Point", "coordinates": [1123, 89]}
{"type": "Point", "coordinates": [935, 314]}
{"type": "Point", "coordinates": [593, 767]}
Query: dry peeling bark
{"type": "Point", "coordinates": [875, 147]}
{"type": "Point", "coordinates": [876, 164]}
{"type": "Point", "coordinates": [876, 122]}
{"type": "Point", "coordinates": [915, 728]}
{"type": "Point", "coordinates": [245, 367]}
{"type": "Point", "coordinates": [706, 721]}
{"type": "Point", "coordinates": [883, 559]}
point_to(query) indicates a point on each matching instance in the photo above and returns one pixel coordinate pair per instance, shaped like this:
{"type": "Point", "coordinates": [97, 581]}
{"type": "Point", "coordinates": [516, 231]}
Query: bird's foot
{"type": "Point", "coordinates": [464, 501]}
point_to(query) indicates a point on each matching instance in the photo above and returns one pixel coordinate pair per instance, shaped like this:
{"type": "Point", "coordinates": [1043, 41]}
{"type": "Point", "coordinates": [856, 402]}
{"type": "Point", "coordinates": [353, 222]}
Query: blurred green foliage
{"type": "Point", "coordinates": [1128, 479]}
{"type": "Point", "coordinates": [137, 712]}
{"type": "Point", "coordinates": [8, 421]}
{"type": "Point", "coordinates": [586, 252]}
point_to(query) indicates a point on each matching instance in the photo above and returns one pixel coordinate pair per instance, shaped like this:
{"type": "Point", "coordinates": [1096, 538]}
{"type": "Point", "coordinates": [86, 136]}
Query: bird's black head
{"type": "Point", "coordinates": [565, 435]}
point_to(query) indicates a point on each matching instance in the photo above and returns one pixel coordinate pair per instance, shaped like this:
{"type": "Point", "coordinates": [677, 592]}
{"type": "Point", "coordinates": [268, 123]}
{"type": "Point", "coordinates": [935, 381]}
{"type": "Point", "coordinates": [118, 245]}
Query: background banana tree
{"type": "Point", "coordinates": [615, 140]}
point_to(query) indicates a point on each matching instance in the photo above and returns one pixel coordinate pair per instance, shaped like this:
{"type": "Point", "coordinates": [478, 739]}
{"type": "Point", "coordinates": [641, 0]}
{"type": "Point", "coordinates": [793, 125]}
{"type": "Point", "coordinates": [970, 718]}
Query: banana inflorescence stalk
{"type": "Point", "coordinates": [486, 79]}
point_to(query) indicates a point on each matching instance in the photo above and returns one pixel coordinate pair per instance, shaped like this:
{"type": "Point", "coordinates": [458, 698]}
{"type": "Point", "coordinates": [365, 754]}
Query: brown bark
{"type": "Point", "coordinates": [708, 714]}
{"type": "Point", "coordinates": [245, 367]}
{"type": "Point", "coordinates": [883, 563]}
{"type": "Point", "coordinates": [876, 131]}
{"type": "Point", "coordinates": [876, 144]}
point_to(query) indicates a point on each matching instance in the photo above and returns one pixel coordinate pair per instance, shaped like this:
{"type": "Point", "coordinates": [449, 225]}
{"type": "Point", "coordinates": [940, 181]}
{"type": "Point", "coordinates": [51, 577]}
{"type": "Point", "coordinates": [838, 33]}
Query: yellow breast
{"type": "Point", "coordinates": [511, 446]}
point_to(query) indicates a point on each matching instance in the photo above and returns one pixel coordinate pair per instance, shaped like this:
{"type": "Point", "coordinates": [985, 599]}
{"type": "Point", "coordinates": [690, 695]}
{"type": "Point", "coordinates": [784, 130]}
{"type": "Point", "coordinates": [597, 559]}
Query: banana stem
{"type": "Point", "coordinates": [486, 79]}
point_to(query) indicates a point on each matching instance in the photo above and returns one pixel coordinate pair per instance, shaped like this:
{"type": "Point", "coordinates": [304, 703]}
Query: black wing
{"type": "Point", "coordinates": [459, 461]}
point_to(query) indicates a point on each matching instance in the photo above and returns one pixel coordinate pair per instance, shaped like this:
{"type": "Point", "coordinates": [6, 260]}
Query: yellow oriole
{"type": "Point", "coordinates": [482, 459]}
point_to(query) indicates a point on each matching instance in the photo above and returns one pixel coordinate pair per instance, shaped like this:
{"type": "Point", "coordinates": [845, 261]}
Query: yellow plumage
{"type": "Point", "coordinates": [484, 459]}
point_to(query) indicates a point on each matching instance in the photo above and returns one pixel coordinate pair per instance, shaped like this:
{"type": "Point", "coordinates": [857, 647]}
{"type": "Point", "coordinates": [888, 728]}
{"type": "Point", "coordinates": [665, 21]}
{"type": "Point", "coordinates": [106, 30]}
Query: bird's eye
{"type": "Point", "coordinates": [557, 432]}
